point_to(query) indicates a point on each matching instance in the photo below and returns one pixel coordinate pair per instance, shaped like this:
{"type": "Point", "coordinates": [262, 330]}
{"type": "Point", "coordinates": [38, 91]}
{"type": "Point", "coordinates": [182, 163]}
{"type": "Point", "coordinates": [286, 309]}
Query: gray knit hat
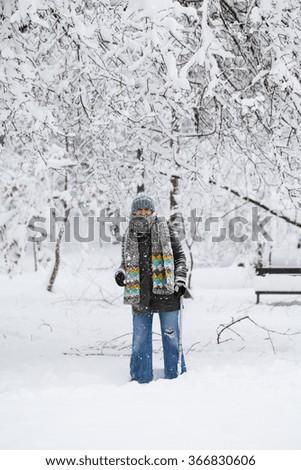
{"type": "Point", "coordinates": [142, 201]}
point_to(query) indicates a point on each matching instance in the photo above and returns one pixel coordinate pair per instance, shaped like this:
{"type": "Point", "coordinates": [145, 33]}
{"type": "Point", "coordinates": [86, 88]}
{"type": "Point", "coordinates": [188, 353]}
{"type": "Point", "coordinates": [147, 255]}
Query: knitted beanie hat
{"type": "Point", "coordinates": [142, 201]}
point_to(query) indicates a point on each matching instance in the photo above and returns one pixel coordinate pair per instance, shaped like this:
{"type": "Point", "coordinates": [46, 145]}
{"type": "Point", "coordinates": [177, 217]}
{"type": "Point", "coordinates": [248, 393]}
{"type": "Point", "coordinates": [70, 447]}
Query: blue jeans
{"type": "Point", "coordinates": [141, 365]}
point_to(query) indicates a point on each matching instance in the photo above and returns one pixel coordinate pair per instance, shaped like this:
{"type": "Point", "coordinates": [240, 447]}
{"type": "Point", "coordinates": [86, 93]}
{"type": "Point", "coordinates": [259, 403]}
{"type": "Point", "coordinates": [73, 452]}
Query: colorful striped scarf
{"type": "Point", "coordinates": [162, 262]}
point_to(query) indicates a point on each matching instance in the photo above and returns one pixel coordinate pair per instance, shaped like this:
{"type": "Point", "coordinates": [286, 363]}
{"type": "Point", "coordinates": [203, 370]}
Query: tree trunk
{"type": "Point", "coordinates": [57, 260]}
{"type": "Point", "coordinates": [259, 253]}
{"type": "Point", "coordinates": [34, 247]}
{"type": "Point", "coordinates": [58, 244]}
{"type": "Point", "coordinates": [140, 187]}
{"type": "Point", "coordinates": [189, 245]}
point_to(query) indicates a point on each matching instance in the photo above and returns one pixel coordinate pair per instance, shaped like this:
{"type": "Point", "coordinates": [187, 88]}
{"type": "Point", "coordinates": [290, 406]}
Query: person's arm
{"type": "Point", "coordinates": [120, 273]}
{"type": "Point", "coordinates": [179, 258]}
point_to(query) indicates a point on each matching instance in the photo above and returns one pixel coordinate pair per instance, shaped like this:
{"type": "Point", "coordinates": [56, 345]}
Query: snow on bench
{"type": "Point", "coordinates": [277, 280]}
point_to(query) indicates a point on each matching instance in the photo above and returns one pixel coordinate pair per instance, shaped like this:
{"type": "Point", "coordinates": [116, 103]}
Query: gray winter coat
{"type": "Point", "coordinates": [150, 302]}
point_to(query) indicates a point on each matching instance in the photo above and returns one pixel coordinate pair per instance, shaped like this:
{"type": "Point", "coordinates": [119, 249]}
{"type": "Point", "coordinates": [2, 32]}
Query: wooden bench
{"type": "Point", "coordinates": [293, 288]}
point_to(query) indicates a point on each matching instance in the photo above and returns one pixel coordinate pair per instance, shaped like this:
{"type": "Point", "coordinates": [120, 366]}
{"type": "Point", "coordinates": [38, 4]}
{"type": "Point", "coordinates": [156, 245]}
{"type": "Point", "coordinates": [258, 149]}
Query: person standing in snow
{"type": "Point", "coordinates": [153, 272]}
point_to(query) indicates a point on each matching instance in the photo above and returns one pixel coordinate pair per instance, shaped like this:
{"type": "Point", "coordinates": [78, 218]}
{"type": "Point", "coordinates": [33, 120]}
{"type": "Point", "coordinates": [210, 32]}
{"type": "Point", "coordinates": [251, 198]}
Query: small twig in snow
{"type": "Point", "coordinates": [268, 330]}
{"type": "Point", "coordinates": [46, 324]}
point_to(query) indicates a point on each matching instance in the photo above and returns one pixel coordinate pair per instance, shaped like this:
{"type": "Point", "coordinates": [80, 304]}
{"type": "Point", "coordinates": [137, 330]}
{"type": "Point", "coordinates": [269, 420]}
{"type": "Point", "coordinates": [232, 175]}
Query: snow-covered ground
{"type": "Point", "coordinates": [241, 394]}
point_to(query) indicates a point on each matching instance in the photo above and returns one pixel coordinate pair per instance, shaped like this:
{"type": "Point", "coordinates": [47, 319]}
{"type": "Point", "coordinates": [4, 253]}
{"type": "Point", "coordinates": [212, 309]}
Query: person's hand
{"type": "Point", "coordinates": [180, 289]}
{"type": "Point", "coordinates": [120, 278]}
